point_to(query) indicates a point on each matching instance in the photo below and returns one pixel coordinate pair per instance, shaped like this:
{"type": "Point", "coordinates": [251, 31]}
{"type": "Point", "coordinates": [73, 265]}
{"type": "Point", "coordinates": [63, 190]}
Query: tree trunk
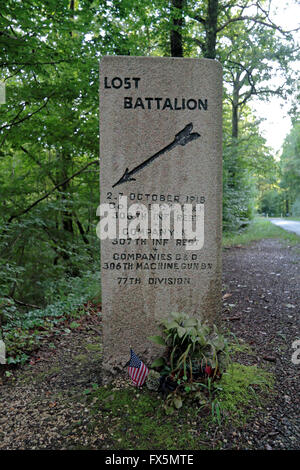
{"type": "Point", "coordinates": [211, 29]}
{"type": "Point", "coordinates": [234, 130]}
{"type": "Point", "coordinates": [235, 121]}
{"type": "Point", "coordinates": [235, 106]}
{"type": "Point", "coordinates": [176, 31]}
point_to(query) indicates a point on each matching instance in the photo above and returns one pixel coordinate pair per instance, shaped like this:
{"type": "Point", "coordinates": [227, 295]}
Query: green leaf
{"type": "Point", "coordinates": [169, 410]}
{"type": "Point", "coordinates": [170, 324]}
{"type": "Point", "coordinates": [158, 362]}
{"type": "Point", "coordinates": [177, 402]}
{"type": "Point", "coordinates": [190, 322]}
{"type": "Point", "coordinates": [181, 331]}
{"type": "Point", "coordinates": [157, 340]}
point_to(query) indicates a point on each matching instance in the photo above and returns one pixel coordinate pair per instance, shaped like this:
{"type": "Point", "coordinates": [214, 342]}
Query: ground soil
{"type": "Point", "coordinates": [264, 310]}
{"type": "Point", "coordinates": [41, 405]}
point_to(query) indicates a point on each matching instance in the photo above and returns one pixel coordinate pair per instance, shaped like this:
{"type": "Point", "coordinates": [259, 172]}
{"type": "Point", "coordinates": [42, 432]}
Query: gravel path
{"type": "Point", "coordinates": [43, 405]}
{"type": "Point", "coordinates": [264, 310]}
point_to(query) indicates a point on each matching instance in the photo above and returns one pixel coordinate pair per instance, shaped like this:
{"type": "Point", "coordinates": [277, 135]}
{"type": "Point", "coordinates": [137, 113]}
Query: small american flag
{"type": "Point", "coordinates": [137, 369]}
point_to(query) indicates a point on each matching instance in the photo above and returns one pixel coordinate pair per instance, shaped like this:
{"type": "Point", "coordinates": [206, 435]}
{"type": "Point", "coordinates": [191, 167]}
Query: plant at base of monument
{"type": "Point", "coordinates": [194, 349]}
{"type": "Point", "coordinates": [196, 355]}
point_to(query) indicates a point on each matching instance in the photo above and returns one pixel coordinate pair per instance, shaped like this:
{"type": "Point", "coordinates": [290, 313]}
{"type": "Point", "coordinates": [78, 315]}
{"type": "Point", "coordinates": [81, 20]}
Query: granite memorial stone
{"type": "Point", "coordinates": [160, 169]}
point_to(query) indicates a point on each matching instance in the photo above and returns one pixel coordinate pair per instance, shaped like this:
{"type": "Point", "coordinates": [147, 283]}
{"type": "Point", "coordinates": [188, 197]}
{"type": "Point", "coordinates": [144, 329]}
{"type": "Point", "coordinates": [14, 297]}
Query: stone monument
{"type": "Point", "coordinates": [160, 148]}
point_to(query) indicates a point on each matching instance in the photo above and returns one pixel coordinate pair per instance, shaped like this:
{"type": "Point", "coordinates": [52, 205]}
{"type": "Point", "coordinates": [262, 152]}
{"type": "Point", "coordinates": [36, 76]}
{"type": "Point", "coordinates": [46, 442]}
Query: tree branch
{"type": "Point", "coordinates": [201, 44]}
{"type": "Point", "coordinates": [198, 18]}
{"type": "Point", "coordinates": [24, 64]}
{"type": "Point", "coordinates": [258, 20]}
{"type": "Point", "coordinates": [37, 162]}
{"type": "Point", "coordinates": [82, 232]}
{"type": "Point", "coordinates": [23, 303]}
{"type": "Point", "coordinates": [15, 216]}
{"type": "Point", "coordinates": [15, 123]}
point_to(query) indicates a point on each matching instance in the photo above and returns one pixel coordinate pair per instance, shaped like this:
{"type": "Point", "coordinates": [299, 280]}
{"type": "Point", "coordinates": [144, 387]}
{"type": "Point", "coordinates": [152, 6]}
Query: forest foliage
{"type": "Point", "coordinates": [49, 137]}
{"type": "Point", "coordinates": [280, 195]}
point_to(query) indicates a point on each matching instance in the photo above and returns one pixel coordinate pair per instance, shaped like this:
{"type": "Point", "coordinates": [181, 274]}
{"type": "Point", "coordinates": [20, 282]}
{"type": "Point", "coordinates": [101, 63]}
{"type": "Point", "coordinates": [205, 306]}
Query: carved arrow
{"type": "Point", "coordinates": [182, 138]}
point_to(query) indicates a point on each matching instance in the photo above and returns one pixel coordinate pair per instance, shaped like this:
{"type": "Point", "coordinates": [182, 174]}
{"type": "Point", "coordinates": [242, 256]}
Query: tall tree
{"type": "Point", "coordinates": [48, 142]}
{"type": "Point", "coordinates": [215, 17]}
{"type": "Point", "coordinates": [252, 56]}
{"type": "Point", "coordinates": [290, 169]}
{"type": "Point", "coordinates": [176, 31]}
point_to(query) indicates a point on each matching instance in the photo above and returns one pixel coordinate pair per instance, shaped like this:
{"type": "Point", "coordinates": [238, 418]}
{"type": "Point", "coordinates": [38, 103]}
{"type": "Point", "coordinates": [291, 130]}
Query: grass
{"type": "Point", "coordinates": [259, 229]}
{"type": "Point", "coordinates": [292, 217]}
{"type": "Point", "coordinates": [134, 418]}
{"type": "Point", "coordinates": [242, 391]}
{"type": "Point", "coordinates": [239, 347]}
{"type": "Point", "coordinates": [93, 347]}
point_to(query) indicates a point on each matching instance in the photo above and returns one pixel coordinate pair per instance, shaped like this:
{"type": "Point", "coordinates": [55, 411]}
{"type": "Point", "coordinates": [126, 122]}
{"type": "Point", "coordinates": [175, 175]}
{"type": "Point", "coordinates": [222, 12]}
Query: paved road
{"type": "Point", "coordinates": [289, 225]}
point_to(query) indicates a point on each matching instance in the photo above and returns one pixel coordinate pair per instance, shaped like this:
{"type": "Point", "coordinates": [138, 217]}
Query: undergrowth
{"type": "Point", "coordinates": [23, 331]}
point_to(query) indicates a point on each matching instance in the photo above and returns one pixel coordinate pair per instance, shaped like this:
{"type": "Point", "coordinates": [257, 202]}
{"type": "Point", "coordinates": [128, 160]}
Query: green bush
{"type": "Point", "coordinates": [24, 331]}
